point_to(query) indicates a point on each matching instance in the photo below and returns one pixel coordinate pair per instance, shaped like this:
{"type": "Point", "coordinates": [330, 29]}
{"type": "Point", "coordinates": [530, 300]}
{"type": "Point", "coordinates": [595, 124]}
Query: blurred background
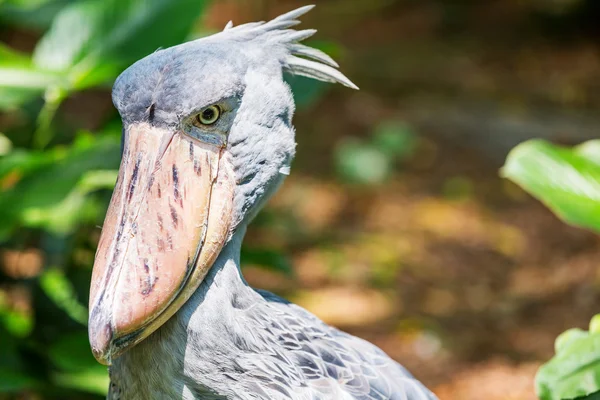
{"type": "Point", "coordinates": [394, 224]}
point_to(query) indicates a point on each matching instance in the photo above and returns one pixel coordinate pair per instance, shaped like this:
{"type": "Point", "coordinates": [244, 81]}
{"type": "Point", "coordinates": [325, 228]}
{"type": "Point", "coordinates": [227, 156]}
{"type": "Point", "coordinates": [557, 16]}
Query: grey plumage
{"type": "Point", "coordinates": [229, 341]}
{"type": "Point", "coordinates": [232, 342]}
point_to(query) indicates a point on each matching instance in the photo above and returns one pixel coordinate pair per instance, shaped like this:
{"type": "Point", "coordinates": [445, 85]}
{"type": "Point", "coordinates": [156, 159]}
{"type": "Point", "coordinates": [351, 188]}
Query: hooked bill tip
{"type": "Point", "coordinates": [100, 335]}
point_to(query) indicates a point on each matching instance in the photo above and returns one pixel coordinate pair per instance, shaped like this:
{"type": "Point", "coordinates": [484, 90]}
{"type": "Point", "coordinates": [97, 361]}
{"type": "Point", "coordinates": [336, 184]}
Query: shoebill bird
{"type": "Point", "coordinates": [207, 139]}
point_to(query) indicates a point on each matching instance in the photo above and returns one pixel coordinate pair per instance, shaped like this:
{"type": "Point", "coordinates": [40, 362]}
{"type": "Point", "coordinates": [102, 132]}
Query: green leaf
{"type": "Point", "coordinates": [589, 150]}
{"type": "Point", "coordinates": [595, 324]}
{"type": "Point", "coordinates": [575, 369]}
{"type": "Point", "coordinates": [566, 180]}
{"type": "Point", "coordinates": [52, 188]}
{"type": "Point", "coordinates": [568, 337]}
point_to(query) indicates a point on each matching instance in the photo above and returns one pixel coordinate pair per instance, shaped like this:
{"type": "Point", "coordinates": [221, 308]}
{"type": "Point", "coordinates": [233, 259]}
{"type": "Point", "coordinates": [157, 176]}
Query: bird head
{"type": "Point", "coordinates": [207, 137]}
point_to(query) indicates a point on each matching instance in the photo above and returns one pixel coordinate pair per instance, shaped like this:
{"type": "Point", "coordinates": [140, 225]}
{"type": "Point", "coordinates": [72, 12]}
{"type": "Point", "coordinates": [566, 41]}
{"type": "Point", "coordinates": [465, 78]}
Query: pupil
{"type": "Point", "coordinates": [208, 114]}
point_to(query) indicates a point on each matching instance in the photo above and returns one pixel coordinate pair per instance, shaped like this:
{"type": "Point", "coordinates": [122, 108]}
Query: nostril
{"type": "Point", "coordinates": [151, 112]}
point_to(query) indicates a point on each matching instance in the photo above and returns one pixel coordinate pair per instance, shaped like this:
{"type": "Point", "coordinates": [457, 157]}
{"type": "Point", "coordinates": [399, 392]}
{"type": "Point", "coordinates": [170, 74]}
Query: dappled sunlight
{"type": "Point", "coordinates": [348, 306]}
{"type": "Point", "coordinates": [493, 380]}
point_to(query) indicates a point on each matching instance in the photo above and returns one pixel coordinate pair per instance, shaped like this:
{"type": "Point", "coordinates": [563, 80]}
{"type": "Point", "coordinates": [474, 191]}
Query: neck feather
{"type": "Point", "coordinates": [223, 281]}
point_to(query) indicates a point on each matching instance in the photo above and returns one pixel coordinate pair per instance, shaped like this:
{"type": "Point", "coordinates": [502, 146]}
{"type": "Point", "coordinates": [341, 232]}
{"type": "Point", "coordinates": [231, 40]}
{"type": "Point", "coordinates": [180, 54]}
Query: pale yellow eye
{"type": "Point", "coordinates": [208, 116]}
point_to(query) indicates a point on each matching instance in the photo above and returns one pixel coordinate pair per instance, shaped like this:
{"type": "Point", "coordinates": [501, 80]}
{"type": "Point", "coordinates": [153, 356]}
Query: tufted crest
{"type": "Point", "coordinates": [298, 58]}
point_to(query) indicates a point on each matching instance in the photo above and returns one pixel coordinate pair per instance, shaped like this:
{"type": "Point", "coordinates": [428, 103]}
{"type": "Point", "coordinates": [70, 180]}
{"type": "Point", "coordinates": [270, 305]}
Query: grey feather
{"type": "Point", "coordinates": [312, 69]}
{"type": "Point", "coordinates": [279, 25]}
{"type": "Point", "coordinates": [315, 54]}
{"type": "Point", "coordinates": [295, 13]}
{"type": "Point", "coordinates": [277, 33]}
{"type": "Point", "coordinates": [229, 341]}
{"type": "Point", "coordinates": [289, 36]}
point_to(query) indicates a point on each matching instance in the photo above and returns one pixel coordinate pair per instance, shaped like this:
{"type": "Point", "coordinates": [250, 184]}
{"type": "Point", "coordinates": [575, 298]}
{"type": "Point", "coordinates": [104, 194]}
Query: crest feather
{"type": "Point", "coordinates": [299, 59]}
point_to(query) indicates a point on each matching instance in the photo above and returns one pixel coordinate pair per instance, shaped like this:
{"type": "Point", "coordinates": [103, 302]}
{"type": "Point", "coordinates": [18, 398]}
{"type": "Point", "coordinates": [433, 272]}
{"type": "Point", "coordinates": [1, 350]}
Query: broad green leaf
{"type": "Point", "coordinates": [575, 369]}
{"type": "Point", "coordinates": [590, 150]}
{"type": "Point", "coordinates": [50, 189]}
{"type": "Point", "coordinates": [568, 337]}
{"type": "Point", "coordinates": [566, 180]}
{"type": "Point", "coordinates": [595, 324]}
{"type": "Point", "coordinates": [93, 40]}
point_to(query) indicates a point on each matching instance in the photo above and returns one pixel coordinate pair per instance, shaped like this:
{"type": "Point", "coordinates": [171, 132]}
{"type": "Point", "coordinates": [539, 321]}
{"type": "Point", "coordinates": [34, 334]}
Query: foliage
{"type": "Point", "coordinates": [567, 180]}
{"type": "Point", "coordinates": [56, 176]}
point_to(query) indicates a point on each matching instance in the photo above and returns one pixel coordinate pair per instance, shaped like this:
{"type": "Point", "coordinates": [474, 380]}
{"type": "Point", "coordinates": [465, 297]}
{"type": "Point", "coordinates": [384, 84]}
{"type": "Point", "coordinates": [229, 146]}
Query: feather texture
{"type": "Point", "coordinates": [232, 342]}
{"type": "Point", "coordinates": [298, 59]}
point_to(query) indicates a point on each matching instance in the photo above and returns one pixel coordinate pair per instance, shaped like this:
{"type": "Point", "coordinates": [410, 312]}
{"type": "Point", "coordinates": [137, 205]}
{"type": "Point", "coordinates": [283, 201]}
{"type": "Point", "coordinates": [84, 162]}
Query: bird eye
{"type": "Point", "coordinates": [208, 116]}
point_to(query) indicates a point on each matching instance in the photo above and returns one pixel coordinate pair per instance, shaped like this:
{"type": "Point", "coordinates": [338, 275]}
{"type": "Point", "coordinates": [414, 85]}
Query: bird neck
{"type": "Point", "coordinates": [224, 284]}
{"type": "Point", "coordinates": [225, 273]}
